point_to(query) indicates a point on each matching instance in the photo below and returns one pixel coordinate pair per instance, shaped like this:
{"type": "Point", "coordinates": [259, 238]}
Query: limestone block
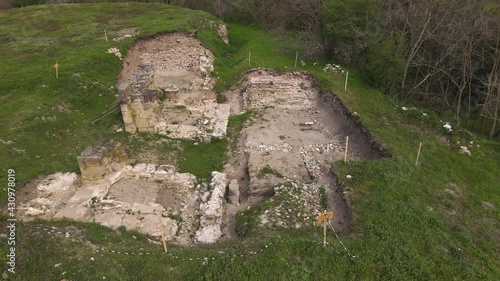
{"type": "Point", "coordinates": [146, 209]}
{"type": "Point", "coordinates": [78, 212]}
{"type": "Point", "coordinates": [33, 212]}
{"type": "Point", "coordinates": [92, 173]}
{"type": "Point", "coordinates": [212, 211]}
{"type": "Point", "coordinates": [131, 222]}
{"type": "Point", "coordinates": [149, 225]}
{"type": "Point", "coordinates": [109, 219]}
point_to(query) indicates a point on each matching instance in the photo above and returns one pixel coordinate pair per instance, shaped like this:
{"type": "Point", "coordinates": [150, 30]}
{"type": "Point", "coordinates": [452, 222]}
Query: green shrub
{"type": "Point", "coordinates": [221, 98]}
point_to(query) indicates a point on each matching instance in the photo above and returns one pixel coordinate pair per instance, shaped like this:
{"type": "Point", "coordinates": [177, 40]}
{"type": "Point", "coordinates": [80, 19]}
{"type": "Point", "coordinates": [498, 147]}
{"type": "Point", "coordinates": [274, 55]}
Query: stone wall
{"type": "Point", "coordinates": [98, 161]}
{"type": "Point", "coordinates": [166, 87]}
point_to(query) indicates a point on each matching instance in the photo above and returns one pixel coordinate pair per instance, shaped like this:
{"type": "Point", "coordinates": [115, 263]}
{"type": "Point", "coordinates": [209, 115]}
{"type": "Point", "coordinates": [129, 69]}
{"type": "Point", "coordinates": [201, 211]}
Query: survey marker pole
{"type": "Point", "coordinates": [323, 217]}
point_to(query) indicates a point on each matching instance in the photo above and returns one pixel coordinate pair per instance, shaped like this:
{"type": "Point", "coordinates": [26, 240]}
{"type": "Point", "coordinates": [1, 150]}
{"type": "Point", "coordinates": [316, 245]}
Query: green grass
{"type": "Point", "coordinates": [406, 227]}
{"type": "Point", "coordinates": [201, 158]}
{"type": "Point", "coordinates": [247, 222]}
{"type": "Point", "coordinates": [323, 198]}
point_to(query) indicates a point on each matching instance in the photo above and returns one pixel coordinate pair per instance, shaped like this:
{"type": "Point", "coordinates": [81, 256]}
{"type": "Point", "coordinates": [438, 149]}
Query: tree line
{"type": "Point", "coordinates": [442, 53]}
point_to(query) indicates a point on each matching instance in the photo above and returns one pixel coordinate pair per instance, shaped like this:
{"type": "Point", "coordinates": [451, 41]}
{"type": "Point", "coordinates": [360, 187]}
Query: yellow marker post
{"type": "Point", "coordinates": [325, 216]}
{"type": "Point", "coordinates": [346, 78]}
{"type": "Point", "coordinates": [56, 66]}
{"type": "Point", "coordinates": [418, 154]}
{"type": "Point", "coordinates": [162, 231]}
{"type": "Point", "coordinates": [346, 148]}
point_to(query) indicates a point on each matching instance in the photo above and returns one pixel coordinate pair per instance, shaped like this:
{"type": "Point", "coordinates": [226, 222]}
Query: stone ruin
{"type": "Point", "coordinates": [166, 87]}
{"type": "Point", "coordinates": [115, 194]}
{"type": "Point", "coordinates": [96, 162]}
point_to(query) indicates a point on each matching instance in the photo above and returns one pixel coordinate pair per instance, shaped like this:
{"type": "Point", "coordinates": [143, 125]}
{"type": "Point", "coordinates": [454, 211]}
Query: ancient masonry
{"type": "Point", "coordinates": [114, 194]}
{"type": "Point", "coordinates": [166, 87]}
{"type": "Point", "coordinates": [105, 158]}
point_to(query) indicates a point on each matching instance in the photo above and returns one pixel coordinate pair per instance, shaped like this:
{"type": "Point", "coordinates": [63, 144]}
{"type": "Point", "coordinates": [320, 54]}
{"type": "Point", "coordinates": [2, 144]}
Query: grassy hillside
{"type": "Point", "coordinates": [437, 221]}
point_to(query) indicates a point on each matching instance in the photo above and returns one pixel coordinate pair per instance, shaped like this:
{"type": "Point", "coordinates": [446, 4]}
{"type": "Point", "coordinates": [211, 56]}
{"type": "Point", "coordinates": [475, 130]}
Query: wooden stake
{"type": "Point", "coordinates": [296, 58]}
{"type": "Point", "coordinates": [162, 230]}
{"type": "Point", "coordinates": [105, 35]}
{"type": "Point", "coordinates": [346, 78]}
{"type": "Point", "coordinates": [249, 58]}
{"type": "Point", "coordinates": [346, 147]}
{"type": "Point", "coordinates": [324, 230]}
{"type": "Point", "coordinates": [418, 154]}
{"type": "Point", "coordinates": [56, 66]}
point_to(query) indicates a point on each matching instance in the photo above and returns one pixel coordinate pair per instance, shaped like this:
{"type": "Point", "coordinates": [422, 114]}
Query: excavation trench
{"type": "Point", "coordinates": [287, 149]}
{"type": "Point", "coordinates": [284, 154]}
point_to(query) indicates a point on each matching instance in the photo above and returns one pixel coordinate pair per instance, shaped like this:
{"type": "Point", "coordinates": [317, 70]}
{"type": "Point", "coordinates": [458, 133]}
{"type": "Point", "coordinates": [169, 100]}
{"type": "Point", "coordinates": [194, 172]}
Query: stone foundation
{"type": "Point", "coordinates": [166, 87]}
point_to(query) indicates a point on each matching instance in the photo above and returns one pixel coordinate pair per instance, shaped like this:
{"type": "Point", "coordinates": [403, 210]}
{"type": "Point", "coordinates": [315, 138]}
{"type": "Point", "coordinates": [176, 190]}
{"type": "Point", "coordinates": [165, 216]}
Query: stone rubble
{"type": "Point", "coordinates": [302, 205]}
{"type": "Point", "coordinates": [212, 211]}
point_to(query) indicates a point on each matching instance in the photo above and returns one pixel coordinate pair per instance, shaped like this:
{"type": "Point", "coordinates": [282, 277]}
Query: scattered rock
{"type": "Point", "coordinates": [222, 31]}
{"type": "Point", "coordinates": [464, 150]}
{"type": "Point", "coordinates": [33, 212]}
{"type": "Point", "coordinates": [57, 182]}
{"type": "Point", "coordinates": [116, 52]}
{"type": "Point", "coordinates": [488, 205]}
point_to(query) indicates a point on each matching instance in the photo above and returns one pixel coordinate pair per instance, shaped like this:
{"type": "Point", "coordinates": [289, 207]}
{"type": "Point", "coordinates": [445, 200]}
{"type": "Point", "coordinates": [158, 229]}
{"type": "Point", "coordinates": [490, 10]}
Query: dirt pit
{"type": "Point", "coordinates": [284, 153]}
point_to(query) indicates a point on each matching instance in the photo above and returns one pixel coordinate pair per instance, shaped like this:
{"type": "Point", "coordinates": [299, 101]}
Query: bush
{"type": "Point", "coordinates": [384, 67]}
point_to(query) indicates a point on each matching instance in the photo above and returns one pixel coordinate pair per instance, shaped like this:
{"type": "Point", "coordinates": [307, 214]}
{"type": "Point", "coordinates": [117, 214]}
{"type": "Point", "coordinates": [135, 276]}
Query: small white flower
{"type": "Point", "coordinates": [349, 176]}
{"type": "Point", "coordinates": [404, 108]}
{"type": "Point", "coordinates": [57, 265]}
{"type": "Point", "coordinates": [425, 114]}
{"type": "Point", "coordinates": [92, 258]}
